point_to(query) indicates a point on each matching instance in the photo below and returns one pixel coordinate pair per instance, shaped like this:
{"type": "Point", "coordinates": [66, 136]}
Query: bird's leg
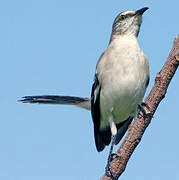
{"type": "Point", "coordinates": [108, 171]}
{"type": "Point", "coordinates": [144, 112]}
{"type": "Point", "coordinates": [113, 128]}
{"type": "Point", "coordinates": [110, 152]}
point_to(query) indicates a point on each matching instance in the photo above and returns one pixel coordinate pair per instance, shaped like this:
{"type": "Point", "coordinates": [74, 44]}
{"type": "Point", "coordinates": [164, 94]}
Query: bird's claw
{"type": "Point", "coordinates": [114, 156]}
{"type": "Point", "coordinates": [110, 174]}
{"type": "Point", "coordinates": [108, 171]}
{"type": "Point", "coordinates": [143, 112]}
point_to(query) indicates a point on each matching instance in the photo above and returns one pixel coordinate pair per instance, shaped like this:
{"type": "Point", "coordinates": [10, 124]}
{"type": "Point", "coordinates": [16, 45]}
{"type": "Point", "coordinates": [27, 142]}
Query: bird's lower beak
{"type": "Point", "coordinates": [141, 11]}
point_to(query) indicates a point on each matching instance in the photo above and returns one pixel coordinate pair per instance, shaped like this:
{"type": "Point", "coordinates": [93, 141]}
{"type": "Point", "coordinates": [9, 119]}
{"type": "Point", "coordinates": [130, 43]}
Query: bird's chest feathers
{"type": "Point", "coordinates": [125, 65]}
{"type": "Point", "coordinates": [125, 70]}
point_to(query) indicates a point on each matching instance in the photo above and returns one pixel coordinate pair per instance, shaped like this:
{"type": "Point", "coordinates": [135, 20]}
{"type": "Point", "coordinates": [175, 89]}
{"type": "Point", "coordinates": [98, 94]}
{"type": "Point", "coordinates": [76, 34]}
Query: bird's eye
{"type": "Point", "coordinates": [122, 17]}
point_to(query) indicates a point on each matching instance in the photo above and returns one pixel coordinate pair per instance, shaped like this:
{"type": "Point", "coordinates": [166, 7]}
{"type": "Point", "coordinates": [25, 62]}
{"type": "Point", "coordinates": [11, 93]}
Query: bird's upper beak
{"type": "Point", "coordinates": [141, 11]}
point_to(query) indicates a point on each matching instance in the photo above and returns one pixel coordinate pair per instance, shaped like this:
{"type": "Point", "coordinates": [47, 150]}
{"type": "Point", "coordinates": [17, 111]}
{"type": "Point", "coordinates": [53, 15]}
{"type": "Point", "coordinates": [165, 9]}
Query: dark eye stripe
{"type": "Point", "coordinates": [117, 20]}
{"type": "Point", "coordinates": [129, 15]}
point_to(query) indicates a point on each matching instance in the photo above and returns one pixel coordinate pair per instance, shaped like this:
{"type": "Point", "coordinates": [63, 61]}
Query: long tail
{"type": "Point", "coordinates": [53, 99]}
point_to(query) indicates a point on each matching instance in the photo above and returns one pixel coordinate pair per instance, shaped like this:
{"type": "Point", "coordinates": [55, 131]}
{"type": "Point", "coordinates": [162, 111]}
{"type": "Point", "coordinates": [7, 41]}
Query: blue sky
{"type": "Point", "coordinates": [51, 47]}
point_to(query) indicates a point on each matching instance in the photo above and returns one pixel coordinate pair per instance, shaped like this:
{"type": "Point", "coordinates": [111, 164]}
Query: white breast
{"type": "Point", "coordinates": [123, 72]}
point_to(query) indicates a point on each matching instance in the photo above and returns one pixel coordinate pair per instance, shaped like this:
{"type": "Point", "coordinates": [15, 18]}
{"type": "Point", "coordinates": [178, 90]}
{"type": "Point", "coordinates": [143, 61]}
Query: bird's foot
{"type": "Point", "coordinates": [114, 156]}
{"type": "Point", "coordinates": [108, 170]}
{"type": "Point", "coordinates": [110, 174]}
{"type": "Point", "coordinates": [143, 112]}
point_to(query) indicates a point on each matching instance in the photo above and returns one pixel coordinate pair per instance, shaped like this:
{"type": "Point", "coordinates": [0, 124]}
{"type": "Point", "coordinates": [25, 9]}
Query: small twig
{"type": "Point", "coordinates": [139, 125]}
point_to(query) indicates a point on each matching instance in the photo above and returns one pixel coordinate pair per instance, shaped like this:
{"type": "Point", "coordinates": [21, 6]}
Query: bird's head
{"type": "Point", "coordinates": [128, 22]}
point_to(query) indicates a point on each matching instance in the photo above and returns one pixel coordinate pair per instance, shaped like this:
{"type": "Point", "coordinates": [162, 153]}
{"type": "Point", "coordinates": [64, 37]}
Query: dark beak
{"type": "Point", "coordinates": [141, 11]}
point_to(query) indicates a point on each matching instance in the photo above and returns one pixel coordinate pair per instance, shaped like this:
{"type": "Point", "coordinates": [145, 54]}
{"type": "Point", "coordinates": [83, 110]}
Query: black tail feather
{"type": "Point", "coordinates": [122, 128]}
{"type": "Point", "coordinates": [53, 99]}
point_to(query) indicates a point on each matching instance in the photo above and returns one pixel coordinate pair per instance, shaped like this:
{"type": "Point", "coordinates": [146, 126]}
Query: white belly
{"type": "Point", "coordinates": [123, 72]}
{"type": "Point", "coordinates": [120, 99]}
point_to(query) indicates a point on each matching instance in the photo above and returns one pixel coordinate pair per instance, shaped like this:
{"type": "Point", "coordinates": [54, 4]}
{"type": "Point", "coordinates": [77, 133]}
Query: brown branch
{"type": "Point", "coordinates": [139, 125]}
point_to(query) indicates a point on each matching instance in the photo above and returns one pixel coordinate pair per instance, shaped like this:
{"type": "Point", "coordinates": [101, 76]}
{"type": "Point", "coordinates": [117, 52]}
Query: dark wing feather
{"type": "Point", "coordinates": [102, 136]}
{"type": "Point", "coordinates": [95, 112]}
{"type": "Point", "coordinates": [147, 82]}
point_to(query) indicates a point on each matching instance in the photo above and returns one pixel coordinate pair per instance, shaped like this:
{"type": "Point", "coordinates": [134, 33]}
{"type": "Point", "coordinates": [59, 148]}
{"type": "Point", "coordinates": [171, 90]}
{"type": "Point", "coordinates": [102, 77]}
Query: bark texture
{"type": "Point", "coordinates": [139, 125]}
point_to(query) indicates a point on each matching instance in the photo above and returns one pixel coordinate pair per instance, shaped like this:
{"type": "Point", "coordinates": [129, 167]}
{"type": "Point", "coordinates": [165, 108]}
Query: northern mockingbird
{"type": "Point", "coordinates": [120, 82]}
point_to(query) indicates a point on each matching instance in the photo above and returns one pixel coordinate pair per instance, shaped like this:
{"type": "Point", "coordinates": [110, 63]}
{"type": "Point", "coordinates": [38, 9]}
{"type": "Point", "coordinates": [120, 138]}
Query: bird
{"type": "Point", "coordinates": [120, 82]}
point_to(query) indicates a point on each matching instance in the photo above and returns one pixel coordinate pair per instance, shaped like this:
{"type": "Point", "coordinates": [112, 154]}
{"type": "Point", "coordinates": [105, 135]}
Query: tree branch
{"type": "Point", "coordinates": [139, 125]}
